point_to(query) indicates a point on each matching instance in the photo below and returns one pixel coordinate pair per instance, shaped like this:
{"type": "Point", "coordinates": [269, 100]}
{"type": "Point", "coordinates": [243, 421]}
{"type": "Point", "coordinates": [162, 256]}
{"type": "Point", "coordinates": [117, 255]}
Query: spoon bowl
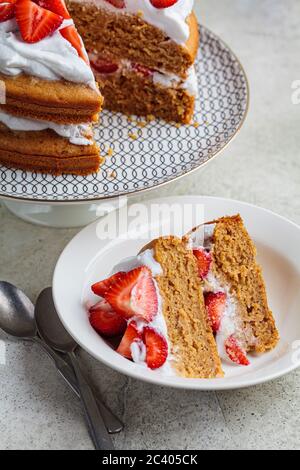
{"type": "Point", "coordinates": [50, 326]}
{"type": "Point", "coordinates": [16, 312]}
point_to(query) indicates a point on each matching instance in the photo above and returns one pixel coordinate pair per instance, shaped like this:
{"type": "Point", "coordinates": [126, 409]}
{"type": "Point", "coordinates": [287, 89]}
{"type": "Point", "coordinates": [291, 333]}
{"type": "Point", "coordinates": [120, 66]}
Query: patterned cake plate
{"type": "Point", "coordinates": [147, 157]}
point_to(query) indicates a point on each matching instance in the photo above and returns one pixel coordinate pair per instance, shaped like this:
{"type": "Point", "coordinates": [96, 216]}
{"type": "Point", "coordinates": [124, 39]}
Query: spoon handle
{"type": "Point", "coordinates": [113, 424]}
{"type": "Point", "coordinates": [98, 431]}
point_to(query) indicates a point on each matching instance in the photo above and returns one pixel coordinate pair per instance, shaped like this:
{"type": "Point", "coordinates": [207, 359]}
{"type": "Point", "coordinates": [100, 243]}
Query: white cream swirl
{"type": "Point", "coordinates": [52, 58]}
{"type": "Point", "coordinates": [76, 134]}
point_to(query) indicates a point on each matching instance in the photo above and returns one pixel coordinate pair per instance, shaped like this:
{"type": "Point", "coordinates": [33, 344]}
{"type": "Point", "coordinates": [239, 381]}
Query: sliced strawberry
{"type": "Point", "coordinates": [215, 307]}
{"type": "Point", "coordinates": [134, 294]}
{"type": "Point", "coordinates": [103, 66]}
{"type": "Point", "coordinates": [163, 3]}
{"type": "Point", "coordinates": [131, 334]}
{"type": "Point", "coordinates": [56, 6]}
{"type": "Point", "coordinates": [71, 35]}
{"type": "Point", "coordinates": [156, 348]}
{"type": "Point", "coordinates": [105, 321]}
{"type": "Point", "coordinates": [143, 70]}
{"type": "Point", "coordinates": [203, 261]}
{"type": "Point", "coordinates": [235, 352]}
{"type": "Point", "coordinates": [117, 3]}
{"type": "Point", "coordinates": [35, 23]}
{"type": "Point", "coordinates": [7, 10]}
{"type": "Point", "coordinates": [100, 288]}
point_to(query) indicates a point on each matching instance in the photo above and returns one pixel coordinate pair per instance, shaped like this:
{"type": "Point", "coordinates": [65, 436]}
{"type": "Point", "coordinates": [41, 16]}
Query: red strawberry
{"type": "Point", "coordinates": [56, 6]}
{"type": "Point", "coordinates": [134, 294]}
{"type": "Point", "coordinates": [71, 35]}
{"type": "Point", "coordinates": [163, 3]}
{"type": "Point", "coordinates": [203, 261]}
{"type": "Point", "coordinates": [103, 66]}
{"type": "Point", "coordinates": [215, 306]}
{"type": "Point", "coordinates": [100, 288]}
{"type": "Point", "coordinates": [145, 71]}
{"type": "Point", "coordinates": [131, 334]}
{"type": "Point", "coordinates": [156, 348]}
{"type": "Point", "coordinates": [7, 10]}
{"type": "Point", "coordinates": [105, 321]}
{"type": "Point", "coordinates": [235, 352]}
{"type": "Point", "coordinates": [35, 23]}
{"type": "Point", "coordinates": [117, 3]}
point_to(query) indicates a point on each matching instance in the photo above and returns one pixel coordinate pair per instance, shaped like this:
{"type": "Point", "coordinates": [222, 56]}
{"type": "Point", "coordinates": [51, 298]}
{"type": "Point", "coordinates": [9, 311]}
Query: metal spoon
{"type": "Point", "coordinates": [17, 319]}
{"type": "Point", "coordinates": [53, 331]}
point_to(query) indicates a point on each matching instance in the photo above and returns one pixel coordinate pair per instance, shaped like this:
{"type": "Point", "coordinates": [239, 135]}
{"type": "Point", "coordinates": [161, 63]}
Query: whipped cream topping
{"type": "Point", "coordinates": [171, 20]}
{"type": "Point", "coordinates": [74, 133]}
{"type": "Point", "coordinates": [138, 350]}
{"type": "Point", "coordinates": [52, 58]}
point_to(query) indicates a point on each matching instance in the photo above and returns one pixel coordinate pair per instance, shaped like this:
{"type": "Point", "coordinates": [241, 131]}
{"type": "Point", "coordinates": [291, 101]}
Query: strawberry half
{"type": "Point", "coordinates": [131, 334]}
{"type": "Point", "coordinates": [105, 321]}
{"type": "Point", "coordinates": [163, 3]}
{"type": "Point", "coordinates": [71, 35]}
{"type": "Point", "coordinates": [7, 10]}
{"type": "Point", "coordinates": [143, 70]}
{"type": "Point", "coordinates": [103, 66]}
{"type": "Point", "coordinates": [117, 3]}
{"type": "Point", "coordinates": [56, 6]}
{"type": "Point", "coordinates": [35, 23]}
{"type": "Point", "coordinates": [134, 294]}
{"type": "Point", "coordinates": [203, 261]}
{"type": "Point", "coordinates": [100, 288]}
{"type": "Point", "coordinates": [235, 352]}
{"type": "Point", "coordinates": [156, 348]}
{"type": "Point", "coordinates": [215, 307]}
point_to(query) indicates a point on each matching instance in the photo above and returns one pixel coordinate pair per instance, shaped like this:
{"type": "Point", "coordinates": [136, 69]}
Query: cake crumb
{"type": "Point", "coordinates": [177, 124]}
{"type": "Point", "coordinates": [132, 135]}
{"type": "Point", "coordinates": [150, 117]}
{"type": "Point", "coordinates": [141, 124]}
{"type": "Point", "coordinates": [140, 13]}
{"type": "Point", "coordinates": [196, 124]}
{"type": "Point", "coordinates": [113, 175]}
{"type": "Point", "coordinates": [110, 152]}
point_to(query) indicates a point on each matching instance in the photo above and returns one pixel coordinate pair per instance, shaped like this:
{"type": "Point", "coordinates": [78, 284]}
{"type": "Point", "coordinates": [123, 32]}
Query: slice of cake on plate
{"type": "Point", "coordinates": [158, 294]}
{"type": "Point", "coordinates": [51, 97]}
{"type": "Point", "coordinates": [142, 53]}
{"type": "Point", "coordinates": [234, 289]}
{"type": "Point", "coordinates": [183, 305]}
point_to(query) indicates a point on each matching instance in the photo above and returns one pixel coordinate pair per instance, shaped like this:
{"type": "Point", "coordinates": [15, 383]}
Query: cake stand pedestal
{"type": "Point", "coordinates": [63, 215]}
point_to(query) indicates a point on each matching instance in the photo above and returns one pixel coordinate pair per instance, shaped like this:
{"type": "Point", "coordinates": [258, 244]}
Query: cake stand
{"type": "Point", "coordinates": [143, 156]}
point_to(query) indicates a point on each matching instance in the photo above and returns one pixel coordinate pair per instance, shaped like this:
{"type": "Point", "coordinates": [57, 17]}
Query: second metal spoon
{"type": "Point", "coordinates": [53, 332]}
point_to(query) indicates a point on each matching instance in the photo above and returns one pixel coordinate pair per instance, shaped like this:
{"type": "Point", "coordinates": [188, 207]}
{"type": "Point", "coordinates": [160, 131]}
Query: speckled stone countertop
{"type": "Point", "coordinates": [262, 166]}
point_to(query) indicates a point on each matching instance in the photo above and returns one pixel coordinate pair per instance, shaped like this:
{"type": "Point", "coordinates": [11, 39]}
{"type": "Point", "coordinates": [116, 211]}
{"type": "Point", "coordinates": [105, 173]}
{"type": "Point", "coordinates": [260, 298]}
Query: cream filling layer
{"type": "Point", "coordinates": [74, 133]}
{"type": "Point", "coordinates": [171, 20]}
{"type": "Point", "coordinates": [52, 58]}
{"type": "Point", "coordinates": [166, 80]}
{"type": "Point", "coordinates": [190, 84]}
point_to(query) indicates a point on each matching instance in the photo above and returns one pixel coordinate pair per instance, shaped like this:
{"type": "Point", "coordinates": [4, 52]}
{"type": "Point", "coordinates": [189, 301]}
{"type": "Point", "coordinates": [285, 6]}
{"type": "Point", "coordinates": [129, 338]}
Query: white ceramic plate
{"type": "Point", "coordinates": [87, 259]}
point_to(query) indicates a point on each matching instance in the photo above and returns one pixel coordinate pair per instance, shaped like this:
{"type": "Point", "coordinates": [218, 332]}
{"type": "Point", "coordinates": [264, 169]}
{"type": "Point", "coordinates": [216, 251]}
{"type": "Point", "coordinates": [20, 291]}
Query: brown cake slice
{"type": "Point", "coordinates": [234, 289]}
{"type": "Point", "coordinates": [142, 53]}
{"type": "Point", "coordinates": [190, 334]}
